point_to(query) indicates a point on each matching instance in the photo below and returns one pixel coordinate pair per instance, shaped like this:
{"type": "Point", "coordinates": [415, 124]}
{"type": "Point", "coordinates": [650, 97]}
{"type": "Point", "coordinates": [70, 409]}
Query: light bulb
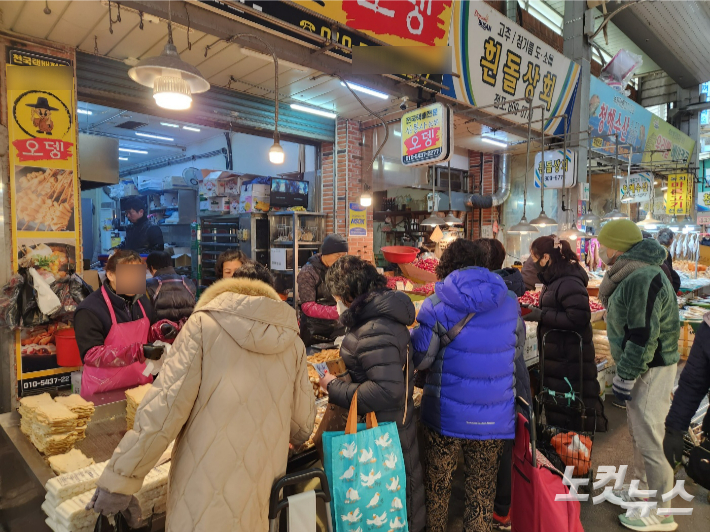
{"type": "Point", "coordinates": [172, 93]}
{"type": "Point", "coordinates": [365, 199]}
{"type": "Point", "coordinates": [276, 154]}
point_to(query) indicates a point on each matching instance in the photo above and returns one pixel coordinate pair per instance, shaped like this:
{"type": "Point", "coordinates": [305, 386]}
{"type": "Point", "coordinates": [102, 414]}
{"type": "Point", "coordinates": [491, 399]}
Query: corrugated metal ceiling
{"type": "Point", "coordinates": [86, 25]}
{"type": "Point", "coordinates": [617, 40]}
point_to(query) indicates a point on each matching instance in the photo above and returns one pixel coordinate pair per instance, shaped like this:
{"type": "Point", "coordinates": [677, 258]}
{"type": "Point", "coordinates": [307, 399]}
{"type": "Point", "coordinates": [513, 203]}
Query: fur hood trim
{"type": "Point", "coordinates": [241, 286]}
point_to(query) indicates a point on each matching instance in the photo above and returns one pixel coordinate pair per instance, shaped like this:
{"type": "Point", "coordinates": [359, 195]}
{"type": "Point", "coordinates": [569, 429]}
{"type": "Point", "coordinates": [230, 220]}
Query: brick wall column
{"type": "Point", "coordinates": [349, 159]}
{"type": "Point", "coordinates": [481, 186]}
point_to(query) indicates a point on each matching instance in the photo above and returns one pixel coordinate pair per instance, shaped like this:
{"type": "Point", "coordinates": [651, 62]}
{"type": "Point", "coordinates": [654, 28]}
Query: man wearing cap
{"type": "Point", "coordinates": [643, 329]}
{"type": "Point", "coordinates": [319, 312]}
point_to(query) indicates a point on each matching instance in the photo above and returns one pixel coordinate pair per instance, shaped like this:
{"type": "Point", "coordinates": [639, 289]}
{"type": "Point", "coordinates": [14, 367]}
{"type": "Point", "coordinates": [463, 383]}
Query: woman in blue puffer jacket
{"type": "Point", "coordinates": [469, 395]}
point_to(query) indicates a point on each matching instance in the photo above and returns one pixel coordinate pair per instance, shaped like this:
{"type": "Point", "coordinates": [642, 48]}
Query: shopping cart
{"type": "Point", "coordinates": [278, 504]}
{"type": "Point", "coordinates": [697, 451]}
{"type": "Point", "coordinates": [569, 445]}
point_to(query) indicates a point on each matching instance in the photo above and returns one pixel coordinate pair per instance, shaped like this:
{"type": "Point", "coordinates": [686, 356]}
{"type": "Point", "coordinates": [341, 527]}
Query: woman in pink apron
{"type": "Point", "coordinates": [111, 330]}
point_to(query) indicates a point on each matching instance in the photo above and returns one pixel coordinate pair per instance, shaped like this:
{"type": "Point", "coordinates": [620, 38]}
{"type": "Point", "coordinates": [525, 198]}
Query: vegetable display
{"type": "Point", "coordinates": [428, 265]}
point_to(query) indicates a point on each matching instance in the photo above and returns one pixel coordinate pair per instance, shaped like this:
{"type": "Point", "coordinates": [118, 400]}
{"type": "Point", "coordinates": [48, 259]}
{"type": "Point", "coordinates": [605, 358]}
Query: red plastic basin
{"type": "Point", "coordinates": [400, 254]}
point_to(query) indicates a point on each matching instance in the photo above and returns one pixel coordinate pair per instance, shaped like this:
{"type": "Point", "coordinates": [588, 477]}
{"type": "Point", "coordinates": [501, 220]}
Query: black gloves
{"type": "Point", "coordinates": [673, 446]}
{"type": "Point", "coordinates": [168, 331]}
{"type": "Point", "coordinates": [153, 352]}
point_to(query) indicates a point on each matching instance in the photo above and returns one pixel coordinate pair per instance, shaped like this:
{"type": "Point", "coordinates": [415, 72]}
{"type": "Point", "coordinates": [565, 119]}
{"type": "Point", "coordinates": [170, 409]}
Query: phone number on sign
{"type": "Point", "coordinates": [61, 380]}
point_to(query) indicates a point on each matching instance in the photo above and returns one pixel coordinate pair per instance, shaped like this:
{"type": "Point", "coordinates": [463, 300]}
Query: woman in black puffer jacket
{"type": "Point", "coordinates": [564, 304]}
{"type": "Point", "coordinates": [377, 353]}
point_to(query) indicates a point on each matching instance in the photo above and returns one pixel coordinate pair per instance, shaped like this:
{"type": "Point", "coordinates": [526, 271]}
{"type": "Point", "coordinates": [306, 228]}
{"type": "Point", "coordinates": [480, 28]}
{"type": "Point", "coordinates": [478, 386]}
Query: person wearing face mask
{"type": "Point", "coordinates": [643, 328]}
{"type": "Point", "coordinates": [112, 333]}
{"type": "Point", "coordinates": [564, 304]}
{"type": "Point", "coordinates": [319, 313]}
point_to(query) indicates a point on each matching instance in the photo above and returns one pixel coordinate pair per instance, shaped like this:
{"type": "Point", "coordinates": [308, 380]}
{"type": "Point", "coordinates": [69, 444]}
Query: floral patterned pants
{"type": "Point", "coordinates": [481, 458]}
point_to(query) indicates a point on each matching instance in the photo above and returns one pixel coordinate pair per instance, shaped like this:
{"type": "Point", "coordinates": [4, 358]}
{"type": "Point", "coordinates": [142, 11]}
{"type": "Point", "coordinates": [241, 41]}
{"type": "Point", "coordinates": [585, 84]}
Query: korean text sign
{"type": "Point", "coordinates": [557, 169]}
{"type": "Point", "coordinates": [425, 135]}
{"type": "Point", "coordinates": [498, 61]}
{"type": "Point", "coordinates": [636, 188]}
{"type": "Point", "coordinates": [44, 197]}
{"type": "Point", "coordinates": [357, 220]}
{"type": "Point", "coordinates": [678, 195]}
{"type": "Point", "coordinates": [395, 22]}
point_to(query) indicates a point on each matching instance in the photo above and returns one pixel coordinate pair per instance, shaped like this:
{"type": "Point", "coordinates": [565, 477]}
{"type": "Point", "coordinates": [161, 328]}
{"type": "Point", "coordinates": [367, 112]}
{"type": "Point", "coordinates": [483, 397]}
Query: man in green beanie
{"type": "Point", "coordinates": [643, 329]}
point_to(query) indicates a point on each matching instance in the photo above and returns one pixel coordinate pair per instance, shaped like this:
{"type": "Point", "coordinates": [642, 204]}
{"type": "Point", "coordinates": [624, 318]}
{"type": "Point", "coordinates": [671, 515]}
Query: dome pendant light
{"type": "Point", "coordinates": [543, 220]}
{"type": "Point", "coordinates": [650, 223]}
{"type": "Point", "coordinates": [450, 219]}
{"type": "Point", "coordinates": [173, 80]}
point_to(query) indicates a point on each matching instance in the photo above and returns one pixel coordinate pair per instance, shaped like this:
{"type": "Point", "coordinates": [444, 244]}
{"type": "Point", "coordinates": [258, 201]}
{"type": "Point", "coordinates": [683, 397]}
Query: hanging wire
{"type": "Point", "coordinates": [111, 22]}
{"type": "Point", "coordinates": [189, 43]}
{"type": "Point", "coordinates": [140, 16]}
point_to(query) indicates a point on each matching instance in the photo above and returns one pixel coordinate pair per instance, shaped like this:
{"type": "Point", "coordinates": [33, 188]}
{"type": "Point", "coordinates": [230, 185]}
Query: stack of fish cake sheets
{"type": "Point", "coordinates": [134, 396]}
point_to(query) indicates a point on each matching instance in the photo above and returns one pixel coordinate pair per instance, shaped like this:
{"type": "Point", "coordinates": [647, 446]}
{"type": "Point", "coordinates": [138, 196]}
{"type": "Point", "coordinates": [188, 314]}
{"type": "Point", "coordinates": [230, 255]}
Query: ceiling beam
{"type": "Point", "coordinates": [286, 48]}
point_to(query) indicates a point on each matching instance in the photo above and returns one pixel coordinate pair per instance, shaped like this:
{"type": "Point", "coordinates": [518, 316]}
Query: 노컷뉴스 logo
{"type": "Point", "coordinates": [641, 499]}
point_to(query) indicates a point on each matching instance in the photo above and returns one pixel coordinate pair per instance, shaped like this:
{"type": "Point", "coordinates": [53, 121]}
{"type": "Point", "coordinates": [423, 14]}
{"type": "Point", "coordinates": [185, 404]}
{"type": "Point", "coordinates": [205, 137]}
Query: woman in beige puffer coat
{"type": "Point", "coordinates": [234, 390]}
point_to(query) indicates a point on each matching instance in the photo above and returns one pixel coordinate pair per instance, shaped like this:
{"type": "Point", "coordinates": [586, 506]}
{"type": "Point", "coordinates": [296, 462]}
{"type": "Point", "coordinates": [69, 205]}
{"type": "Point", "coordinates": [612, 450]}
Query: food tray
{"type": "Point", "coordinates": [418, 275]}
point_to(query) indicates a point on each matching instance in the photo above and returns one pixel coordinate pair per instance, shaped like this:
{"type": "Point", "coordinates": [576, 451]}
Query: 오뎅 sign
{"type": "Point", "coordinates": [426, 135]}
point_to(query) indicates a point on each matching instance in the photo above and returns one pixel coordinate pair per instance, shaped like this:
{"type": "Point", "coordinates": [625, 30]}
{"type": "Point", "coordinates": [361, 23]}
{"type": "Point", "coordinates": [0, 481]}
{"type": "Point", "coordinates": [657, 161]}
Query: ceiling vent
{"type": "Point", "coordinates": [132, 124]}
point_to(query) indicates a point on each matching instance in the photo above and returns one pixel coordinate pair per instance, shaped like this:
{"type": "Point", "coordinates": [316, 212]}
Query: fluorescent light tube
{"type": "Point", "coordinates": [130, 150]}
{"type": "Point", "coordinates": [168, 124]}
{"type": "Point", "coordinates": [84, 112]}
{"type": "Point", "coordinates": [189, 128]}
{"type": "Point", "coordinates": [149, 136]}
{"type": "Point", "coordinates": [365, 90]}
{"type": "Point", "coordinates": [495, 142]}
{"type": "Point", "coordinates": [123, 158]}
{"type": "Point", "coordinates": [313, 111]}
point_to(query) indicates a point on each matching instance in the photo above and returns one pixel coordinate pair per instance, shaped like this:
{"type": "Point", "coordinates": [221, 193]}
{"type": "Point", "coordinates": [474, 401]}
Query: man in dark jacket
{"type": "Point", "coordinates": [529, 274]}
{"type": "Point", "coordinates": [319, 313]}
{"type": "Point", "coordinates": [693, 386]}
{"type": "Point", "coordinates": [172, 295]}
{"type": "Point", "coordinates": [142, 236]}
{"type": "Point", "coordinates": [643, 328]}
{"type": "Point", "coordinates": [665, 238]}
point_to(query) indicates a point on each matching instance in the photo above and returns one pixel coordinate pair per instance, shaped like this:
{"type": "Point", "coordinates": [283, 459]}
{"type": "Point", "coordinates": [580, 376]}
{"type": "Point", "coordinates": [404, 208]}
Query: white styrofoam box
{"type": "Point", "coordinates": [169, 199]}
{"type": "Point", "coordinates": [205, 205]}
{"type": "Point", "coordinates": [150, 184]}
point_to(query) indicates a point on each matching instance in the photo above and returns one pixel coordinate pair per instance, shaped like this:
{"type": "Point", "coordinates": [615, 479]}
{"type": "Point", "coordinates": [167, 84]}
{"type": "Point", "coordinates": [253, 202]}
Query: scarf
{"type": "Point", "coordinates": [619, 271]}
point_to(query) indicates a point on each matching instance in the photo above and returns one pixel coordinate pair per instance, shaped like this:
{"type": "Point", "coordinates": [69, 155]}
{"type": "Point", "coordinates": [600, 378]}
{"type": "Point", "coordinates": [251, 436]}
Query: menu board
{"type": "Point", "coordinates": [44, 194]}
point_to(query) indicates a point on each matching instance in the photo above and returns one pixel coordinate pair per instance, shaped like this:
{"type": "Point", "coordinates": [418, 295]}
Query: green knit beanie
{"type": "Point", "coordinates": [620, 235]}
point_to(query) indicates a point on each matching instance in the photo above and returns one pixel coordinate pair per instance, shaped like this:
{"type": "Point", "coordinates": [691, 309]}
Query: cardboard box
{"type": "Point", "coordinates": [205, 205]}
{"type": "Point", "coordinates": [254, 203]}
{"type": "Point", "coordinates": [176, 182]}
{"type": "Point", "coordinates": [150, 184]}
{"type": "Point", "coordinates": [210, 187]}
{"type": "Point", "coordinates": [169, 199]}
{"type": "Point", "coordinates": [220, 204]}
{"type": "Point", "coordinates": [259, 186]}
{"type": "Point", "coordinates": [221, 183]}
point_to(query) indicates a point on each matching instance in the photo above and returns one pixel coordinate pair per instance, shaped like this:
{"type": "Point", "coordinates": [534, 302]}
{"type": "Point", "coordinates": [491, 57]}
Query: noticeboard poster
{"type": "Point", "coordinates": [44, 193]}
{"type": "Point", "coordinates": [357, 220]}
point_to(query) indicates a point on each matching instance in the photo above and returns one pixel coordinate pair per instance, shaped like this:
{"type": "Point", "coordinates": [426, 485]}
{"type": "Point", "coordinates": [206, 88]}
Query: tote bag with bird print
{"type": "Point", "coordinates": [365, 469]}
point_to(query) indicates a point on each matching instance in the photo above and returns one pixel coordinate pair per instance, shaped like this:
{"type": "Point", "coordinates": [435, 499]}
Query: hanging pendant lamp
{"type": "Point", "coordinates": [573, 233]}
{"type": "Point", "coordinates": [173, 80]}
{"type": "Point", "coordinates": [543, 220]}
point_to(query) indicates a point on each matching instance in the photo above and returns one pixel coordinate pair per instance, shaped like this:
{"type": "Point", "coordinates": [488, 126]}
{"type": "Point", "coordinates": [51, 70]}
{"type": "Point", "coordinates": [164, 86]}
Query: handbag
{"type": "Point", "coordinates": [366, 476]}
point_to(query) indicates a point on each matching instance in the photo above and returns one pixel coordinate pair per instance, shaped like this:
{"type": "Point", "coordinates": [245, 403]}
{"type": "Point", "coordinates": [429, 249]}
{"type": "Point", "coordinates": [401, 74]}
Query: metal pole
{"type": "Point", "coordinates": [616, 167]}
{"type": "Point", "coordinates": [542, 177]}
{"type": "Point", "coordinates": [527, 159]}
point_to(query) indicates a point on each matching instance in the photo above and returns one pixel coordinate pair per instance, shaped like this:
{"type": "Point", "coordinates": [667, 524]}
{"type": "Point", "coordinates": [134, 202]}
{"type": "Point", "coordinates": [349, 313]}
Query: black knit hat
{"type": "Point", "coordinates": [334, 244]}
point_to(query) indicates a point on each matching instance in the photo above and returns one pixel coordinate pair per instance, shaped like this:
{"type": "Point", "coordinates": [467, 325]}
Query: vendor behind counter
{"type": "Point", "coordinates": [319, 312]}
{"type": "Point", "coordinates": [112, 325]}
{"type": "Point", "coordinates": [141, 236]}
